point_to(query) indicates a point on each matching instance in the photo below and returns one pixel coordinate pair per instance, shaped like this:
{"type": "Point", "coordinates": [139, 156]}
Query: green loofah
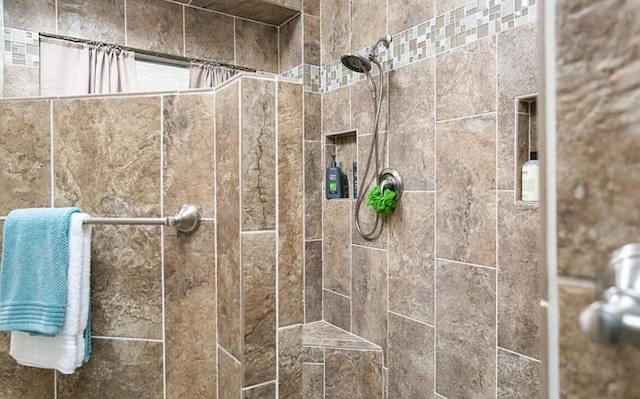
{"type": "Point", "coordinates": [384, 203]}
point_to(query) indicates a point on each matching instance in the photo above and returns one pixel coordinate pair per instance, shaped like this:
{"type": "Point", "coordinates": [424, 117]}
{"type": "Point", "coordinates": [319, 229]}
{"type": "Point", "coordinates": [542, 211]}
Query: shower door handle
{"type": "Point", "coordinates": [614, 318]}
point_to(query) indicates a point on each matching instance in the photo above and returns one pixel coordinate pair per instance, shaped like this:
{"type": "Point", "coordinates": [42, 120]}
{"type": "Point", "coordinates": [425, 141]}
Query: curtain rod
{"type": "Point", "coordinates": [152, 55]}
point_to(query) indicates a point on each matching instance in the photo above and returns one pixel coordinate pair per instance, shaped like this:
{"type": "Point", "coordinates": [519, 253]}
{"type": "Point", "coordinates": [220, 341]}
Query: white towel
{"type": "Point", "coordinates": [65, 351]}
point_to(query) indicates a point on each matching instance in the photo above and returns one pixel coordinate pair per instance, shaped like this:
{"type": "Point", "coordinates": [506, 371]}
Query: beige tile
{"type": "Point", "coordinates": [311, 7]}
{"type": "Point", "coordinates": [155, 25]}
{"type": "Point", "coordinates": [190, 290]}
{"type": "Point", "coordinates": [353, 374]}
{"type": "Point", "coordinates": [443, 6]}
{"type": "Point", "coordinates": [362, 111]}
{"type": "Point", "coordinates": [199, 29]}
{"type": "Point", "coordinates": [290, 362]}
{"type": "Point", "coordinates": [291, 43]}
{"type": "Point", "coordinates": [466, 80]}
{"type": "Point", "coordinates": [291, 213]}
{"type": "Point", "coordinates": [20, 81]}
{"type": "Point", "coordinates": [519, 312]}
{"type": "Point", "coordinates": [259, 307]}
{"type": "Point", "coordinates": [312, 381]}
{"type": "Point", "coordinates": [335, 111]}
{"type": "Point", "coordinates": [313, 177]}
{"type": "Point", "coordinates": [258, 99]}
{"type": "Point", "coordinates": [321, 335]}
{"type": "Point", "coordinates": [411, 257]}
{"type": "Point", "coordinates": [588, 370]}
{"type": "Point", "coordinates": [518, 377]}
{"type": "Point", "coordinates": [369, 295]}
{"type": "Point", "coordinates": [313, 281]}
{"type": "Point", "coordinates": [312, 116]}
{"type": "Point", "coordinates": [270, 12]}
{"type": "Point", "coordinates": [257, 46]}
{"type": "Point", "coordinates": [118, 369]}
{"type": "Point", "coordinates": [228, 210]}
{"type": "Point", "coordinates": [98, 20]}
{"type": "Point", "coordinates": [336, 309]}
{"type": "Point", "coordinates": [465, 190]}
{"type": "Point", "coordinates": [188, 152]}
{"type": "Point", "coordinates": [517, 73]}
{"type": "Point", "coordinates": [335, 29]}
{"type": "Point", "coordinates": [337, 239]}
{"type": "Point", "coordinates": [229, 376]}
{"type": "Point", "coordinates": [410, 358]}
{"type": "Point", "coordinates": [412, 124]}
{"type": "Point", "coordinates": [466, 318]}
{"type": "Point", "coordinates": [311, 354]}
{"type": "Point", "coordinates": [368, 21]}
{"type": "Point", "coordinates": [19, 381]}
{"type": "Point", "coordinates": [522, 149]}
{"type": "Point", "coordinates": [403, 14]}
{"type": "Point", "coordinates": [25, 147]}
{"type": "Point", "coordinates": [121, 138]}
{"type": "Point", "coordinates": [33, 15]}
{"type": "Point", "coordinates": [292, 4]}
{"type": "Point", "coordinates": [267, 391]}
{"type": "Point", "coordinates": [311, 40]}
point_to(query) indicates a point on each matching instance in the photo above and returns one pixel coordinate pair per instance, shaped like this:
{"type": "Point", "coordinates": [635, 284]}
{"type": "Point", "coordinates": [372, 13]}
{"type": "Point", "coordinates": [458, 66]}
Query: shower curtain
{"type": "Point", "coordinates": [74, 68]}
{"type": "Point", "coordinates": [203, 75]}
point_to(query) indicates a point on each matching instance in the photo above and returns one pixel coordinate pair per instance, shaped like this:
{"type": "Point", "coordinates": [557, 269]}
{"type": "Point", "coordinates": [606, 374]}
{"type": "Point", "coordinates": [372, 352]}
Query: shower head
{"type": "Point", "coordinates": [356, 63]}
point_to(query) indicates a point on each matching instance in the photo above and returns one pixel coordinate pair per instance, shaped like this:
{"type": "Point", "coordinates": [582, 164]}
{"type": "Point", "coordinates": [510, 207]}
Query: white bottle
{"type": "Point", "coordinates": [531, 179]}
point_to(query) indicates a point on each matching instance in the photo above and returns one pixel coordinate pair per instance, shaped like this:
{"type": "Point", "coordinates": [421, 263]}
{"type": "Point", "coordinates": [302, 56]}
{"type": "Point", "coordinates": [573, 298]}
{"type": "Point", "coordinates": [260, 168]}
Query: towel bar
{"type": "Point", "coordinates": [187, 220]}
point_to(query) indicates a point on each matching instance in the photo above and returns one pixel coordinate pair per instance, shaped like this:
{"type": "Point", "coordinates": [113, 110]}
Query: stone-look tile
{"type": "Point", "coordinates": [98, 20]}
{"type": "Point", "coordinates": [466, 318]}
{"type": "Point", "coordinates": [312, 116]}
{"type": "Point", "coordinates": [443, 6]}
{"type": "Point", "coordinates": [291, 44]}
{"type": "Point", "coordinates": [337, 238]}
{"type": "Point", "coordinates": [20, 81]}
{"type": "Point", "coordinates": [188, 152]}
{"type": "Point", "coordinates": [588, 370]}
{"type": "Point", "coordinates": [336, 309]}
{"type": "Point", "coordinates": [228, 210]}
{"type": "Point", "coordinates": [369, 297]}
{"type": "Point", "coordinates": [155, 25]}
{"type": "Point", "coordinates": [258, 99]}
{"type": "Point", "coordinates": [259, 307]}
{"type": "Point", "coordinates": [519, 312]}
{"type": "Point", "coordinates": [312, 354]}
{"type": "Point", "coordinates": [257, 46]}
{"type": "Point", "coordinates": [335, 29]}
{"type": "Point", "coordinates": [273, 12]}
{"type": "Point", "coordinates": [412, 124]}
{"type": "Point", "coordinates": [362, 111]}
{"type": "Point", "coordinates": [25, 148]}
{"type": "Point", "coordinates": [22, 382]}
{"type": "Point", "coordinates": [517, 73]}
{"type": "Point", "coordinates": [313, 281]}
{"type": "Point", "coordinates": [518, 377]}
{"type": "Point", "coordinates": [597, 188]}
{"type": "Point", "coordinates": [261, 392]}
{"type": "Point", "coordinates": [120, 137]}
{"type": "Point", "coordinates": [403, 14]}
{"type": "Point", "coordinates": [311, 40]}
{"type": "Point", "coordinates": [368, 22]}
{"type": "Point", "coordinates": [292, 4]}
{"type": "Point", "coordinates": [229, 376]}
{"type": "Point", "coordinates": [335, 111]}
{"type": "Point", "coordinates": [313, 178]}
{"type": "Point", "coordinates": [321, 335]}
{"type": "Point", "coordinates": [290, 362]}
{"type": "Point", "coordinates": [533, 128]}
{"type": "Point", "coordinates": [410, 358]}
{"type": "Point", "coordinates": [118, 369]}
{"type": "Point", "coordinates": [190, 290]}
{"type": "Point", "coordinates": [346, 153]}
{"type": "Point", "coordinates": [311, 7]}
{"type": "Point", "coordinates": [291, 214]}
{"type": "Point", "coordinates": [126, 282]}
{"type": "Point", "coordinates": [208, 35]}
{"type": "Point", "coordinates": [411, 257]}
{"type": "Point", "coordinates": [353, 374]}
{"type": "Point", "coordinates": [466, 83]}
{"type": "Point", "coordinates": [312, 381]}
{"type": "Point", "coordinates": [465, 190]}
{"type": "Point", "coordinates": [33, 15]}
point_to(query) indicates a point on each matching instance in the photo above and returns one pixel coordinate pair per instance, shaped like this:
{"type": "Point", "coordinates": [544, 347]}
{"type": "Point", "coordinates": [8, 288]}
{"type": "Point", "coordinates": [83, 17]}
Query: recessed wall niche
{"type": "Point", "coordinates": [345, 147]}
{"type": "Point", "coordinates": [526, 135]}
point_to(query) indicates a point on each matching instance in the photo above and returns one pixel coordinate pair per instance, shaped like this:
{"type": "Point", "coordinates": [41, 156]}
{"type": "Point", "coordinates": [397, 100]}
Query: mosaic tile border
{"type": "Point", "coordinates": [21, 48]}
{"type": "Point", "coordinates": [308, 74]}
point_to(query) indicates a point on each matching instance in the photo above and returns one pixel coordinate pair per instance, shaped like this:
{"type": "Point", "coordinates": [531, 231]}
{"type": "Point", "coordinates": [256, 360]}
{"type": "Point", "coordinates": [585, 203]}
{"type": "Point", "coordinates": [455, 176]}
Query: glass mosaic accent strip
{"type": "Point", "coordinates": [21, 47]}
{"type": "Point", "coordinates": [308, 74]}
{"type": "Point", "coordinates": [464, 25]}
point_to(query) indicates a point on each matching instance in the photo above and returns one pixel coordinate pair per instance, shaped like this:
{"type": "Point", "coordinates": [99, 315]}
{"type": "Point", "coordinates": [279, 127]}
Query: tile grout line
{"type": "Point", "coordinates": [215, 234]}
{"type": "Point", "coordinates": [162, 248]}
{"type": "Point", "coordinates": [465, 263]}
{"type": "Point", "coordinates": [105, 338]}
{"type": "Point", "coordinates": [277, 215]}
{"type": "Point", "coordinates": [533, 359]}
{"type": "Point", "coordinates": [221, 13]}
{"type": "Point", "coordinates": [411, 318]}
{"type": "Point", "coordinates": [496, 198]}
{"type": "Point", "coordinates": [461, 118]}
{"type": "Point", "coordinates": [435, 220]}
{"type": "Point", "coordinates": [240, 224]}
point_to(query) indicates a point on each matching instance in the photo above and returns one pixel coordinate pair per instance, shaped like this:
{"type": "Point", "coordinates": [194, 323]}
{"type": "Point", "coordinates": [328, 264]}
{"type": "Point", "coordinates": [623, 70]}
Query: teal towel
{"type": "Point", "coordinates": [33, 274]}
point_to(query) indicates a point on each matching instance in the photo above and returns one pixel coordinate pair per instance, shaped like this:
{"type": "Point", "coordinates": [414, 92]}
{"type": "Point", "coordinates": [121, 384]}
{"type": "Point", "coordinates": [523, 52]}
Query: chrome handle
{"type": "Point", "coordinates": [614, 318]}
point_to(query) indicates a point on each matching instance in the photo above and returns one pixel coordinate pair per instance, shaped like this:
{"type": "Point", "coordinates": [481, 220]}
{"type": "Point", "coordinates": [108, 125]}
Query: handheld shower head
{"type": "Point", "coordinates": [356, 63]}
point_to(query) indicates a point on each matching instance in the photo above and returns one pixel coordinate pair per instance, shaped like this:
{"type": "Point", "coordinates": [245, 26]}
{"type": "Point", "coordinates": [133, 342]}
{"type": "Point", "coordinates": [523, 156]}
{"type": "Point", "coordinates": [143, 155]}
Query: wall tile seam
{"type": "Point", "coordinates": [465, 117]}
{"type": "Point", "coordinates": [461, 263]}
{"type": "Point", "coordinates": [260, 385]}
{"type": "Point", "coordinates": [337, 293]}
{"type": "Point", "coordinates": [530, 358]}
{"type": "Point", "coordinates": [397, 314]}
{"type": "Point", "coordinates": [220, 347]}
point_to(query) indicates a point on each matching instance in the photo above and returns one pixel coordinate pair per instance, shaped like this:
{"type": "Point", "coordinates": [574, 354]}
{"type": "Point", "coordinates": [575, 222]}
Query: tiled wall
{"type": "Point", "coordinates": [598, 180]}
{"type": "Point", "coordinates": [449, 290]}
{"type": "Point", "coordinates": [162, 26]}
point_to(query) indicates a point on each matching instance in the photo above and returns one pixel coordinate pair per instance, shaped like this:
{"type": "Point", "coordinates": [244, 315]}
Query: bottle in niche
{"type": "Point", "coordinates": [531, 179]}
{"type": "Point", "coordinates": [334, 186]}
